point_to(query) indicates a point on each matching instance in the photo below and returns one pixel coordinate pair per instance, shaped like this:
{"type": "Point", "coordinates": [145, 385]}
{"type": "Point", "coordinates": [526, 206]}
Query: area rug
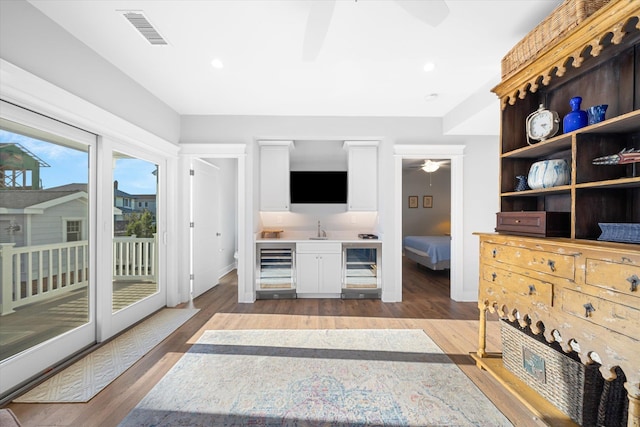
{"type": "Point", "coordinates": [89, 375]}
{"type": "Point", "coordinates": [373, 377]}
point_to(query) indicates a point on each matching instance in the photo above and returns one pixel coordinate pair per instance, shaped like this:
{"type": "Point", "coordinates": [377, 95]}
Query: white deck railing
{"type": "Point", "coordinates": [34, 273]}
{"type": "Point", "coordinates": [134, 258]}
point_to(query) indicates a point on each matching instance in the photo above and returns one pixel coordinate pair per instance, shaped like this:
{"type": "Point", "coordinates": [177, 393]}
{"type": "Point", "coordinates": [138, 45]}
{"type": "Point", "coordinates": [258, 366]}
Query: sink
{"type": "Point", "coordinates": [318, 238]}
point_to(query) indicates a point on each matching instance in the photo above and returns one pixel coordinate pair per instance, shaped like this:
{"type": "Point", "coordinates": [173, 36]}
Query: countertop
{"type": "Point", "coordinates": [305, 236]}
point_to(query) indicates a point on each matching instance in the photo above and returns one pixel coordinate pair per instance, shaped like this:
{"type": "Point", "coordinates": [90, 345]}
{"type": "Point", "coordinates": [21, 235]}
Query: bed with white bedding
{"type": "Point", "coordinates": [433, 252]}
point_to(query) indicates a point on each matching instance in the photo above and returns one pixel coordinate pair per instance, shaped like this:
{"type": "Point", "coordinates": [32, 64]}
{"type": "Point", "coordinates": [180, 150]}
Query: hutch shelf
{"type": "Point", "coordinates": [548, 281]}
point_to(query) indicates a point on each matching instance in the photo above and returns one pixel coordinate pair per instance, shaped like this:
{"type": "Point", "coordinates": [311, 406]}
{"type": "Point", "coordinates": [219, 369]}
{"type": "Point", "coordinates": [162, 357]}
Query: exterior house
{"type": "Point", "coordinates": [38, 217]}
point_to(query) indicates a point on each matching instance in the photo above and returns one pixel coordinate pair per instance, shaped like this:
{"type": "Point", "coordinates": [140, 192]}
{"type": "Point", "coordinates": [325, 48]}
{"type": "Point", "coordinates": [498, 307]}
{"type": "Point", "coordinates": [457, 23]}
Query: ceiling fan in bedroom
{"type": "Point", "coordinates": [430, 166]}
{"type": "Point", "coordinates": [431, 12]}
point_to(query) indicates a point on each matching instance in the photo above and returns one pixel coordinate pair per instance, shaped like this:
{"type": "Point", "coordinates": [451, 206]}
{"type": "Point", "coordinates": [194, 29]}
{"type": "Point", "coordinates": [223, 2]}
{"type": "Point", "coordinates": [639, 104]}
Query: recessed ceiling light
{"type": "Point", "coordinates": [217, 63]}
{"type": "Point", "coordinates": [431, 97]}
{"type": "Point", "coordinates": [429, 66]}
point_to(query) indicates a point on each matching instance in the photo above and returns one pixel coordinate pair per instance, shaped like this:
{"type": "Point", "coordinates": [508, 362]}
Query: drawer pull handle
{"type": "Point", "coordinates": [493, 276]}
{"type": "Point", "coordinates": [634, 282]}
{"type": "Point", "coordinates": [552, 265]}
{"type": "Point", "coordinates": [588, 309]}
{"type": "Point", "coordinates": [517, 221]}
{"type": "Point", "coordinates": [494, 252]}
{"type": "Point", "coordinates": [532, 289]}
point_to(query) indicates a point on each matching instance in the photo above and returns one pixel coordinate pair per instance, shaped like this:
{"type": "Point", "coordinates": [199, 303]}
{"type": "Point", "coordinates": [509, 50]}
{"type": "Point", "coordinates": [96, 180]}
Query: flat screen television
{"type": "Point", "coordinates": [318, 186]}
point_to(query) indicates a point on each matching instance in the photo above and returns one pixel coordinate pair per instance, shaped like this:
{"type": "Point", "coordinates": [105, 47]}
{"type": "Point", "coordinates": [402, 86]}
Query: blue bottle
{"type": "Point", "coordinates": [577, 118]}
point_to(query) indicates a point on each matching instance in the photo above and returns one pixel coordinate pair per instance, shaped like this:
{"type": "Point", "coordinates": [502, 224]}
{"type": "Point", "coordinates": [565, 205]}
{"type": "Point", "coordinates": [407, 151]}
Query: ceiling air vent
{"type": "Point", "coordinates": [142, 24]}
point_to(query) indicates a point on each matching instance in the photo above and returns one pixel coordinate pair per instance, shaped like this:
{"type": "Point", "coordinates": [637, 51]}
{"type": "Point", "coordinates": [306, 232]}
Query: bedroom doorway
{"type": "Point", "coordinates": [426, 227]}
{"type": "Point", "coordinates": [415, 155]}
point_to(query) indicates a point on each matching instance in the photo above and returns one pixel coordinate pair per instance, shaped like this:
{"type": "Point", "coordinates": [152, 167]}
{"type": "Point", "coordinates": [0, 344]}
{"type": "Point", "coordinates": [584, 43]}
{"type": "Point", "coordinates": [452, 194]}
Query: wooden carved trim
{"type": "Point", "coordinates": [611, 19]}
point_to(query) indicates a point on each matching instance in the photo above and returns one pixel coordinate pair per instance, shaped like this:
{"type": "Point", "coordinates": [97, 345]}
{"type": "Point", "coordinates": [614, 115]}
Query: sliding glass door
{"type": "Point", "coordinates": [47, 243]}
{"type": "Point", "coordinates": [135, 227]}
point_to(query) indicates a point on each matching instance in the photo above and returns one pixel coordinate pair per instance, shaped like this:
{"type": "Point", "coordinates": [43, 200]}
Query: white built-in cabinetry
{"type": "Point", "coordinates": [274, 175]}
{"type": "Point", "coordinates": [363, 175]}
{"type": "Point", "coordinates": [319, 268]}
{"type": "Point", "coordinates": [362, 172]}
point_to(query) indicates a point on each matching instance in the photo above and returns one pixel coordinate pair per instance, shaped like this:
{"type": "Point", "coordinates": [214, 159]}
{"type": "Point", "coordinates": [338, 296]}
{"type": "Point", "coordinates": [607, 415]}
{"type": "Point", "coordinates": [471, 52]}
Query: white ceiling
{"type": "Point", "coordinates": [371, 62]}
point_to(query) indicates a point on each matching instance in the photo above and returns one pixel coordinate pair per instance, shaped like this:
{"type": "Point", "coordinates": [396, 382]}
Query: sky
{"type": "Point", "coordinates": [68, 165]}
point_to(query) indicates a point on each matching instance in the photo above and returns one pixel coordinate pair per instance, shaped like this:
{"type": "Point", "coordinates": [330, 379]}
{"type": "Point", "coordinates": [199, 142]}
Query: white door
{"type": "Point", "coordinates": [205, 241]}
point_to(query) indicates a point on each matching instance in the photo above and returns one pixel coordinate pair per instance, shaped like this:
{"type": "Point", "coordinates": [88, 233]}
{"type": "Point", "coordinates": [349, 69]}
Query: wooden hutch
{"type": "Point", "coordinates": [582, 288]}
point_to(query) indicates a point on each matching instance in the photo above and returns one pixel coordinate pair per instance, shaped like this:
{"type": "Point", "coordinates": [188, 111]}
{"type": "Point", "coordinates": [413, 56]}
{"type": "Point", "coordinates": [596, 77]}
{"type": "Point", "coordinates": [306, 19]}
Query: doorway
{"type": "Point", "coordinates": [453, 153]}
{"type": "Point", "coordinates": [224, 234]}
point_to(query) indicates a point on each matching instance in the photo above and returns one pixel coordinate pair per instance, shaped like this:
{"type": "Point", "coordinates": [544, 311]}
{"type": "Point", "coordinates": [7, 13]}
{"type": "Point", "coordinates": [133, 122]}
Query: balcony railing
{"type": "Point", "coordinates": [134, 258]}
{"type": "Point", "coordinates": [34, 273]}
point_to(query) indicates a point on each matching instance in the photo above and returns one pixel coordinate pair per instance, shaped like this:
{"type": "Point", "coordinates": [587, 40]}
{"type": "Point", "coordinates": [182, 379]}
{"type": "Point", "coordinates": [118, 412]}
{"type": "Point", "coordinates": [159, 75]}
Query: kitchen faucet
{"type": "Point", "coordinates": [324, 233]}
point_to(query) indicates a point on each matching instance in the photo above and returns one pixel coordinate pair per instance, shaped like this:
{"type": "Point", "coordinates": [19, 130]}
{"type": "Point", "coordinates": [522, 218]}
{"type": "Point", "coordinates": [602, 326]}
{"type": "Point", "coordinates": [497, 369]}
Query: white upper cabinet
{"type": "Point", "coordinates": [274, 175]}
{"type": "Point", "coordinates": [363, 175]}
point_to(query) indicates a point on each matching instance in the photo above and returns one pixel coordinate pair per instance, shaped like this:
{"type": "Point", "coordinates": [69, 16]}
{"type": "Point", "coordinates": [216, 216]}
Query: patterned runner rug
{"type": "Point", "coordinates": [89, 375]}
{"type": "Point", "coordinates": [315, 378]}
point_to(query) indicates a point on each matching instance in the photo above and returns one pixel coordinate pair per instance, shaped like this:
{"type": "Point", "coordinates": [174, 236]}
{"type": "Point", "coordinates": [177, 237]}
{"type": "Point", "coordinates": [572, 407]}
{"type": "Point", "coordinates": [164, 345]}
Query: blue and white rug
{"type": "Point", "coordinates": [337, 377]}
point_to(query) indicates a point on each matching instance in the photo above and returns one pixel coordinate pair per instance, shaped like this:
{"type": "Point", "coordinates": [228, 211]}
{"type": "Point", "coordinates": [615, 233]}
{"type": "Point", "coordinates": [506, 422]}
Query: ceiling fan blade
{"type": "Point", "coordinates": [431, 12]}
{"type": "Point", "coordinates": [318, 23]}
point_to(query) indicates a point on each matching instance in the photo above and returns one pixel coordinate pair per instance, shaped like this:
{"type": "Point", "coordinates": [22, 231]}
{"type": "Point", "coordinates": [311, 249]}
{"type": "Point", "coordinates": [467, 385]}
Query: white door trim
{"type": "Point", "coordinates": [455, 153]}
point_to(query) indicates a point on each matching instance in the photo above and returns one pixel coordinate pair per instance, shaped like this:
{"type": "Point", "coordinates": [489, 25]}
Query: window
{"type": "Point", "coordinates": [74, 231]}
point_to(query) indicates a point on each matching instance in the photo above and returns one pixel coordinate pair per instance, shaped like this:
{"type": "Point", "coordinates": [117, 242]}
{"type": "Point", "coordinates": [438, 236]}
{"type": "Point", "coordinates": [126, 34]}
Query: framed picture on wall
{"type": "Point", "coordinates": [413, 201]}
{"type": "Point", "coordinates": [427, 201]}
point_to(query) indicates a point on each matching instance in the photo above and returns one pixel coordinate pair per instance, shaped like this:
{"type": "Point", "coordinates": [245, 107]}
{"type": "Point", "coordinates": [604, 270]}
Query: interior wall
{"type": "Point", "coordinates": [480, 168]}
{"type": "Point", "coordinates": [423, 221]}
{"type": "Point", "coordinates": [33, 42]}
{"type": "Point", "coordinates": [481, 189]}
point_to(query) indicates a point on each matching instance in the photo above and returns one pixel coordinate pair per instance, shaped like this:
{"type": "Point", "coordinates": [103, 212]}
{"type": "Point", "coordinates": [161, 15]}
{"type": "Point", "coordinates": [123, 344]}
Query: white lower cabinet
{"type": "Point", "coordinates": [319, 269]}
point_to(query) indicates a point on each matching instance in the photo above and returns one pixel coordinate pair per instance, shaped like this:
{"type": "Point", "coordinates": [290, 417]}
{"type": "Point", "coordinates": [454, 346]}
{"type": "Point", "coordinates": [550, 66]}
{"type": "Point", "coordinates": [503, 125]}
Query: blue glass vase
{"type": "Point", "coordinates": [577, 118]}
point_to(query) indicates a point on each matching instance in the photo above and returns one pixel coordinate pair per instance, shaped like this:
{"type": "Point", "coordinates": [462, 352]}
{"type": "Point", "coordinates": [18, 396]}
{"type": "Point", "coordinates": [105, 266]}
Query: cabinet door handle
{"type": "Point", "coordinates": [494, 252]}
{"type": "Point", "coordinates": [552, 265]}
{"type": "Point", "coordinates": [634, 282]}
{"type": "Point", "coordinates": [493, 276]}
{"type": "Point", "coordinates": [588, 309]}
{"type": "Point", "coordinates": [532, 289]}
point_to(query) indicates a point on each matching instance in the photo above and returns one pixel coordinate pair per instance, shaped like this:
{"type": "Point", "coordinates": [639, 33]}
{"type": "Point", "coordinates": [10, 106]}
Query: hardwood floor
{"type": "Point", "coordinates": [426, 305]}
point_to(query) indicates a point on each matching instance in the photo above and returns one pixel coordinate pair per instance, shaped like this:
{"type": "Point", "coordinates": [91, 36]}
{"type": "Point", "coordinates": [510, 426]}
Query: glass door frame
{"type": "Point", "coordinates": [111, 323]}
{"type": "Point", "coordinates": [30, 363]}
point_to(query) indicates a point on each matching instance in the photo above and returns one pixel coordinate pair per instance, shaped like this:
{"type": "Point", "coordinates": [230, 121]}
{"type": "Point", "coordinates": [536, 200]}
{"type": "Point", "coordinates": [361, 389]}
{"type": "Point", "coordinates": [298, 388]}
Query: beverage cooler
{"type": "Point", "coordinates": [361, 263]}
{"type": "Point", "coordinates": [276, 272]}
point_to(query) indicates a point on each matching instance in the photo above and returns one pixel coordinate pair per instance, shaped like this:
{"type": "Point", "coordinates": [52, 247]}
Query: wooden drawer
{"type": "Point", "coordinates": [545, 262]}
{"type": "Point", "coordinates": [613, 316]}
{"type": "Point", "coordinates": [539, 223]}
{"type": "Point", "coordinates": [623, 278]}
{"type": "Point", "coordinates": [512, 285]}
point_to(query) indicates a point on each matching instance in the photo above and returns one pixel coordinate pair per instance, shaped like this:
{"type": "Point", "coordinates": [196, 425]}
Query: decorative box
{"type": "Point", "coordinates": [534, 223]}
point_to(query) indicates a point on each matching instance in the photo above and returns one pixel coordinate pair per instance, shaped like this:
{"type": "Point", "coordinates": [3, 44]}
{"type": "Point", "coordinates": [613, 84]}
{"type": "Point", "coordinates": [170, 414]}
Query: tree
{"type": "Point", "coordinates": [142, 225]}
